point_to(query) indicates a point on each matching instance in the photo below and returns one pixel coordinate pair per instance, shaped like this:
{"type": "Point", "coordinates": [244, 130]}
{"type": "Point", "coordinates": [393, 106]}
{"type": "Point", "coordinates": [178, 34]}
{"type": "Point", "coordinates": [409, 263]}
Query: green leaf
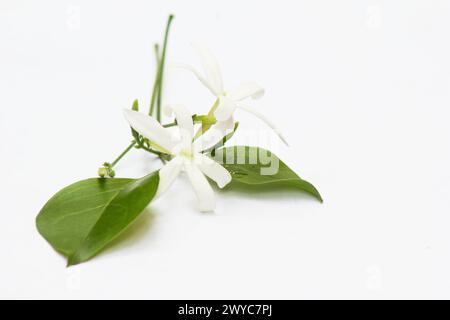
{"type": "Point", "coordinates": [81, 219]}
{"type": "Point", "coordinates": [69, 215]}
{"type": "Point", "coordinates": [123, 209]}
{"type": "Point", "coordinates": [257, 167]}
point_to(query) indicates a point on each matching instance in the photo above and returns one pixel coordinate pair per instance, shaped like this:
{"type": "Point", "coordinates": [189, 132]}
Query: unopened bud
{"type": "Point", "coordinates": [135, 106]}
{"type": "Point", "coordinates": [102, 172]}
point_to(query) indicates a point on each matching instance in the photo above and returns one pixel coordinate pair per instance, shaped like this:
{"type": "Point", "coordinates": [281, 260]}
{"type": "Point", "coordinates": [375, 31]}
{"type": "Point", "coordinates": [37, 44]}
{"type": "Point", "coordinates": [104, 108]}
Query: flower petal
{"type": "Point", "coordinates": [213, 170]}
{"type": "Point", "coordinates": [204, 192]}
{"type": "Point", "coordinates": [151, 129]}
{"type": "Point", "coordinates": [198, 75]}
{"type": "Point", "coordinates": [211, 68]}
{"type": "Point", "coordinates": [266, 120]}
{"type": "Point", "coordinates": [168, 173]}
{"type": "Point", "coordinates": [225, 108]}
{"type": "Point", "coordinates": [184, 120]}
{"type": "Point", "coordinates": [245, 90]}
{"type": "Point", "coordinates": [216, 133]}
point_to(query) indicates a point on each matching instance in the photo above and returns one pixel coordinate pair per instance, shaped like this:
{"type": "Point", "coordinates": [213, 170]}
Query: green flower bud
{"type": "Point", "coordinates": [112, 173]}
{"type": "Point", "coordinates": [135, 106]}
{"type": "Point", "coordinates": [102, 172]}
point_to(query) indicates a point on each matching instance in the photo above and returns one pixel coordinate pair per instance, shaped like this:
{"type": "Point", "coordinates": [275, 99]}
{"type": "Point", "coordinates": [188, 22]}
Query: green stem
{"type": "Point", "coordinates": [172, 124]}
{"type": "Point", "coordinates": [205, 126]}
{"type": "Point", "coordinates": [156, 97]}
{"type": "Point", "coordinates": [161, 69]}
{"type": "Point", "coordinates": [160, 155]}
{"type": "Point", "coordinates": [156, 83]}
{"type": "Point", "coordinates": [150, 150]}
{"type": "Point", "coordinates": [157, 56]}
{"type": "Point", "coordinates": [123, 153]}
{"type": "Point", "coordinates": [204, 119]}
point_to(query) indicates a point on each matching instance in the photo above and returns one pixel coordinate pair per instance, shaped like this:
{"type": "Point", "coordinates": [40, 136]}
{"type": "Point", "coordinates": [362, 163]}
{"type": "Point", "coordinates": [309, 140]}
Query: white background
{"type": "Point", "coordinates": [360, 89]}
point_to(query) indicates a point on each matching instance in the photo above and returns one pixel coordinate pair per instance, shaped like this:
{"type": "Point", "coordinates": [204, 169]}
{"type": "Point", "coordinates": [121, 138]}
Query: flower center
{"type": "Point", "coordinates": [187, 153]}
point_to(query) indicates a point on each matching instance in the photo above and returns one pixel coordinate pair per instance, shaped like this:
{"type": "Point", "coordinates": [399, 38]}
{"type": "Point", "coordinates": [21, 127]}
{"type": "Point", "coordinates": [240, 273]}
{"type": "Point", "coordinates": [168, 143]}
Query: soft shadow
{"type": "Point", "coordinates": [268, 192]}
{"type": "Point", "coordinates": [134, 233]}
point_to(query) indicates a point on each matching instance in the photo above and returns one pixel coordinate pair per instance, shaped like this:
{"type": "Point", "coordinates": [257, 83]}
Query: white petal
{"type": "Point", "coordinates": [210, 67]}
{"type": "Point", "coordinates": [199, 77]}
{"type": "Point", "coordinates": [225, 108]}
{"type": "Point", "coordinates": [168, 173]}
{"type": "Point", "coordinates": [184, 120]}
{"type": "Point", "coordinates": [245, 90]}
{"type": "Point", "coordinates": [151, 129]}
{"type": "Point", "coordinates": [213, 170]}
{"type": "Point", "coordinates": [266, 120]}
{"type": "Point", "coordinates": [204, 192]}
{"type": "Point", "coordinates": [213, 136]}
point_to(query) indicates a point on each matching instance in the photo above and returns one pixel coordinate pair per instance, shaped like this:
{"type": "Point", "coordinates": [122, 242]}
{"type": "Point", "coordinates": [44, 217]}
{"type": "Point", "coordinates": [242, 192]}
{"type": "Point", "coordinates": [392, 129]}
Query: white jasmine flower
{"type": "Point", "coordinates": [186, 152]}
{"type": "Point", "coordinates": [228, 101]}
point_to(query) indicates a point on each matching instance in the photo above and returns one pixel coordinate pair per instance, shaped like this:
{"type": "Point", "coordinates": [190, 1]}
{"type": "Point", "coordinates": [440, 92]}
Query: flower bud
{"type": "Point", "coordinates": [102, 172]}
{"type": "Point", "coordinates": [135, 106]}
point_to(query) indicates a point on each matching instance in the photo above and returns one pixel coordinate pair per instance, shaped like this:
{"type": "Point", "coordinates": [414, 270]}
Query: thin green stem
{"type": "Point", "coordinates": [160, 155]}
{"type": "Point", "coordinates": [156, 83]}
{"type": "Point", "coordinates": [150, 150]}
{"type": "Point", "coordinates": [155, 98]}
{"type": "Point", "coordinates": [204, 119]}
{"type": "Point", "coordinates": [205, 126]}
{"type": "Point", "coordinates": [157, 56]}
{"type": "Point", "coordinates": [123, 153]}
{"type": "Point", "coordinates": [162, 159]}
{"type": "Point", "coordinates": [168, 125]}
{"type": "Point", "coordinates": [161, 69]}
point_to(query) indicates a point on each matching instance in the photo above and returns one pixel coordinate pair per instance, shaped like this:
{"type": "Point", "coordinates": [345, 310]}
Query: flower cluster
{"type": "Point", "coordinates": [184, 148]}
{"type": "Point", "coordinates": [84, 217]}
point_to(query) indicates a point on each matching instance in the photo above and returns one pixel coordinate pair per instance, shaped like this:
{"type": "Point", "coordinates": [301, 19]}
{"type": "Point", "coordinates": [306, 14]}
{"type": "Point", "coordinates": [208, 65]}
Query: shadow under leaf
{"type": "Point", "coordinates": [134, 233]}
{"type": "Point", "coordinates": [274, 190]}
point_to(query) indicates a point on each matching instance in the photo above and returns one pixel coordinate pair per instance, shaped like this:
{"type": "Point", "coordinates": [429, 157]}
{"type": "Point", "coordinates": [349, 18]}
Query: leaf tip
{"type": "Point", "coordinates": [75, 258]}
{"type": "Point", "coordinates": [71, 262]}
{"type": "Point", "coordinates": [316, 194]}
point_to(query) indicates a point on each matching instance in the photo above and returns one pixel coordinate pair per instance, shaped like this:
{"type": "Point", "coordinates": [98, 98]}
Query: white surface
{"type": "Point", "coordinates": [360, 89]}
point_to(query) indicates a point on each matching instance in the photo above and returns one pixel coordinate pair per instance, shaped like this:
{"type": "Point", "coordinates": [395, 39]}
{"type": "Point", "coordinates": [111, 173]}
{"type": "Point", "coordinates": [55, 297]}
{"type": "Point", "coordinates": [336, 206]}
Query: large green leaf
{"type": "Point", "coordinates": [84, 217]}
{"type": "Point", "coordinates": [257, 167]}
{"type": "Point", "coordinates": [123, 209]}
{"type": "Point", "coordinates": [69, 215]}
